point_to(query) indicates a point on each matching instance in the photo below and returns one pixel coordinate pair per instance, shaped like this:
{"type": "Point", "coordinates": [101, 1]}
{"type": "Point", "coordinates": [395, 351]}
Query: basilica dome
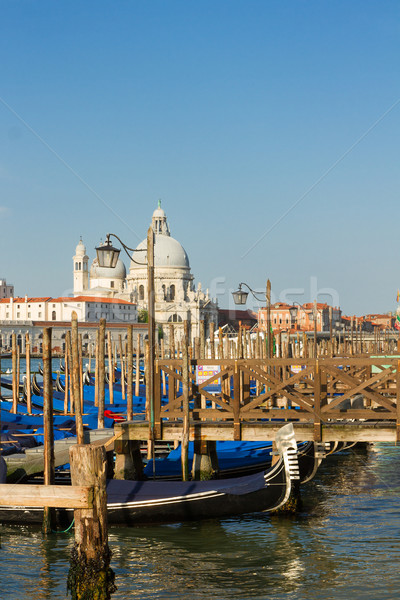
{"type": "Point", "coordinates": [168, 252]}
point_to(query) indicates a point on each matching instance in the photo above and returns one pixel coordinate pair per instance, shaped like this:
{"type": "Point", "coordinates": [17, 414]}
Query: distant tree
{"type": "Point", "coordinates": [143, 316]}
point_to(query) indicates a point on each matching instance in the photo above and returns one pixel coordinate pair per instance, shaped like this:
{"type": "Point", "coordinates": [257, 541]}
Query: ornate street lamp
{"type": "Point", "coordinates": [107, 256]}
{"type": "Point", "coordinates": [240, 297]}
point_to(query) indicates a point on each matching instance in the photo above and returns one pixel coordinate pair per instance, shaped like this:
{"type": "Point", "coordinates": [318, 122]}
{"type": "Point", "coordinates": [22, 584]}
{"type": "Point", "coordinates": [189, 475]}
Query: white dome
{"type": "Point", "coordinates": [168, 252]}
{"type": "Point", "coordinates": [118, 272]}
{"type": "Point", "coordinates": [80, 249]}
{"type": "Point", "coordinates": [159, 213]}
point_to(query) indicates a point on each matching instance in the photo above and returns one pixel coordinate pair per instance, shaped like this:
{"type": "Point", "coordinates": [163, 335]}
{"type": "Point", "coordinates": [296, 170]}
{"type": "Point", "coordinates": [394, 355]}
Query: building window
{"type": "Point", "coordinates": [53, 315]}
{"type": "Point", "coordinates": [141, 292]}
{"type": "Point", "coordinates": [18, 315]}
{"type": "Point", "coordinates": [111, 284]}
{"type": "Point", "coordinates": [172, 292]}
{"type": "Point", "coordinates": [175, 319]}
{"type": "Point", "coordinates": [39, 314]}
{"type": "Point", "coordinates": [29, 315]}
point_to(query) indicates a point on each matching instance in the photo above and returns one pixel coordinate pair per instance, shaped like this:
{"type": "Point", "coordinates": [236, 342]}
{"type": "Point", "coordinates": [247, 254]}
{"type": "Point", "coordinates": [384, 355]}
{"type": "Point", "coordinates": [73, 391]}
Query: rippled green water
{"type": "Point", "coordinates": [345, 543]}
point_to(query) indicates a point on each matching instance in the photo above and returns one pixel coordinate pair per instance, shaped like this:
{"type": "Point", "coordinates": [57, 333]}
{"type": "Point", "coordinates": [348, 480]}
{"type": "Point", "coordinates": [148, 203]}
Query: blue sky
{"type": "Point", "coordinates": [270, 130]}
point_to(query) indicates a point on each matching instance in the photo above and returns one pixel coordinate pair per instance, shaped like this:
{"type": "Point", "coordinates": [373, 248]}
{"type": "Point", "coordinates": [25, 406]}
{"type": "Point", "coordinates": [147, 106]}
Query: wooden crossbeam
{"type": "Point", "coordinates": [53, 496]}
{"type": "Point", "coordinates": [358, 386]}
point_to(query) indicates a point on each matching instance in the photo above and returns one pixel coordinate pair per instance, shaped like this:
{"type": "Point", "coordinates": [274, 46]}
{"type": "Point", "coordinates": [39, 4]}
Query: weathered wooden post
{"type": "Point", "coordinates": [202, 340]}
{"type": "Point", "coordinates": [80, 372]}
{"type": "Point", "coordinates": [101, 373]}
{"type": "Point", "coordinates": [129, 374]}
{"type": "Point", "coordinates": [74, 353]}
{"type": "Point", "coordinates": [171, 341]}
{"type": "Point", "coordinates": [212, 339]}
{"type": "Point", "coordinates": [48, 451]}
{"type": "Point", "coordinates": [110, 368]}
{"type": "Point", "coordinates": [185, 410]}
{"type": "Point", "coordinates": [96, 371]}
{"type": "Point", "coordinates": [15, 386]}
{"type": "Point", "coordinates": [151, 337]}
{"type": "Point", "coordinates": [90, 575]}
{"type": "Point", "coordinates": [269, 334]}
{"type": "Point", "coordinates": [121, 356]}
{"type": "Point", "coordinates": [28, 373]}
{"type": "Point", "coordinates": [66, 376]}
{"type": "Point", "coordinates": [137, 373]}
{"type": "Point", "coordinates": [196, 348]}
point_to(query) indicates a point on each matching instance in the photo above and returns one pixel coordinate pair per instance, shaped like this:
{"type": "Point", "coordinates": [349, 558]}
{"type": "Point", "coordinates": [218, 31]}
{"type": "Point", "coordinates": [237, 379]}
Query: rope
{"type": "Point", "coordinates": [65, 530]}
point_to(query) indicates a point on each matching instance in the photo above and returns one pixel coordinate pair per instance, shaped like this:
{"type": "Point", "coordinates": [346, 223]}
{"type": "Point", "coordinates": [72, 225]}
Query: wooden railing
{"type": "Point", "coordinates": [306, 390]}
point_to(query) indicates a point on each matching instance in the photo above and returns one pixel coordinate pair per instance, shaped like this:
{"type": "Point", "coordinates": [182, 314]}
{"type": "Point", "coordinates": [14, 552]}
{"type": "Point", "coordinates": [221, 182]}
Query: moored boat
{"type": "Point", "coordinates": [137, 502]}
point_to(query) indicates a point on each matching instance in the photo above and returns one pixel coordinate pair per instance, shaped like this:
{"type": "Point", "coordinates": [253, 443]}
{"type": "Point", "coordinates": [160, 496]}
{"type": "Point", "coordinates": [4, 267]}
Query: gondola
{"type": "Point", "coordinates": [139, 502]}
{"type": "Point", "coordinates": [7, 384]}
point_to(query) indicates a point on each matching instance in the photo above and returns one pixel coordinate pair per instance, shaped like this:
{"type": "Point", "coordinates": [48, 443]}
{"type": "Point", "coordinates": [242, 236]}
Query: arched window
{"type": "Point", "coordinates": [53, 315]}
{"type": "Point", "coordinates": [141, 292]}
{"type": "Point", "coordinates": [76, 266]}
{"type": "Point", "coordinates": [175, 319]}
{"type": "Point", "coordinates": [164, 292]}
{"type": "Point", "coordinates": [172, 292]}
{"type": "Point", "coordinates": [19, 341]}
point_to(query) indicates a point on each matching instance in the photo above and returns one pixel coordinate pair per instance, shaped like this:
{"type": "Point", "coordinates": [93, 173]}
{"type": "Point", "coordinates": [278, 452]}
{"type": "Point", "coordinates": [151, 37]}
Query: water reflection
{"type": "Point", "coordinates": [344, 542]}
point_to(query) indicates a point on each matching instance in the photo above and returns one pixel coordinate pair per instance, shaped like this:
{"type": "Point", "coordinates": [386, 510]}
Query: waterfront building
{"type": "Point", "coordinates": [30, 315]}
{"type": "Point", "coordinates": [176, 297]}
{"type": "Point", "coordinates": [281, 319]}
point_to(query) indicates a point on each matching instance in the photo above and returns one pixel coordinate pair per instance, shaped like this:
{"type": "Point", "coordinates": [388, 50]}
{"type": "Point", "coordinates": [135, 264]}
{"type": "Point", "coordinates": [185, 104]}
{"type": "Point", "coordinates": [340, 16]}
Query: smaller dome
{"type": "Point", "coordinates": [118, 272]}
{"type": "Point", "coordinates": [80, 249]}
{"type": "Point", "coordinates": [159, 213]}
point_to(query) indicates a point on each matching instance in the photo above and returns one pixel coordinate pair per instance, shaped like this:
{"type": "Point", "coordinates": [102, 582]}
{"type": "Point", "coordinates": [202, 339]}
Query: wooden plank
{"type": "Point", "coordinates": [54, 496]}
{"type": "Point", "coordinates": [259, 431]}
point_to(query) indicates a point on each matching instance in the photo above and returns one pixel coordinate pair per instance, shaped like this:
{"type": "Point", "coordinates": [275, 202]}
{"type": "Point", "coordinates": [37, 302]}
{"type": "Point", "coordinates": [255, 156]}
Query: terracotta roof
{"type": "Point", "coordinates": [23, 300]}
{"type": "Point", "coordinates": [91, 299]}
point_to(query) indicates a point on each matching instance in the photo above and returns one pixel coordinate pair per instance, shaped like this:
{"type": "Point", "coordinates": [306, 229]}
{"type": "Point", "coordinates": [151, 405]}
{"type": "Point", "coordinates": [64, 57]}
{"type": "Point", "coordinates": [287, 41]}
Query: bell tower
{"type": "Point", "coordinates": [81, 273]}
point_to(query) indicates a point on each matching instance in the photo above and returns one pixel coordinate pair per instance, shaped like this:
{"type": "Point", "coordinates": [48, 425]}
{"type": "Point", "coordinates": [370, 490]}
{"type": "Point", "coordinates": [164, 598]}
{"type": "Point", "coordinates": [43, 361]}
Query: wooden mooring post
{"type": "Point", "coordinates": [90, 575]}
{"type": "Point", "coordinates": [48, 453]}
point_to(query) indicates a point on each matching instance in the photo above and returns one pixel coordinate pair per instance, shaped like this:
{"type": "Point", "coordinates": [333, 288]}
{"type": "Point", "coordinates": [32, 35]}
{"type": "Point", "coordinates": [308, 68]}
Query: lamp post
{"type": "Point", "coordinates": [240, 297]}
{"type": "Point", "coordinates": [315, 315]}
{"type": "Point", "coordinates": [107, 256]}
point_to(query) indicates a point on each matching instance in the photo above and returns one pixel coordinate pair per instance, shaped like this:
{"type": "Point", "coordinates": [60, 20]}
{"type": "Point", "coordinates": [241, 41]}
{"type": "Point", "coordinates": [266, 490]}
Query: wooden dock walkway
{"type": "Point", "coordinates": [327, 399]}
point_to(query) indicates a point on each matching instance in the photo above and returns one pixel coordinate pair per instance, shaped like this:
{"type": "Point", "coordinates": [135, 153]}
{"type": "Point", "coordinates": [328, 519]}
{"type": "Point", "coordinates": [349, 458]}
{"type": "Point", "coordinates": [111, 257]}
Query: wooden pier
{"type": "Point", "coordinates": [327, 399]}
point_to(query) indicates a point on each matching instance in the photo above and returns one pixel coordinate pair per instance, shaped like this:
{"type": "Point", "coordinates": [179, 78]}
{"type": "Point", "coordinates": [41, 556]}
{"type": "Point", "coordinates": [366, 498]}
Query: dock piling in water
{"type": "Point", "coordinates": [90, 575]}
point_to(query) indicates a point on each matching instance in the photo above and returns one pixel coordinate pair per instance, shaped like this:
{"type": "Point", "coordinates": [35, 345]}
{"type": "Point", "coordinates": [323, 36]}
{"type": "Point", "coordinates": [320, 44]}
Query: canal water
{"type": "Point", "coordinates": [344, 543]}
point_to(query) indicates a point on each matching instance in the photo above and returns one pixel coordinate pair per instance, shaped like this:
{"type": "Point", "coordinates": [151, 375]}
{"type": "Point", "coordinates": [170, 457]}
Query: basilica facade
{"type": "Point", "coordinates": [176, 297]}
